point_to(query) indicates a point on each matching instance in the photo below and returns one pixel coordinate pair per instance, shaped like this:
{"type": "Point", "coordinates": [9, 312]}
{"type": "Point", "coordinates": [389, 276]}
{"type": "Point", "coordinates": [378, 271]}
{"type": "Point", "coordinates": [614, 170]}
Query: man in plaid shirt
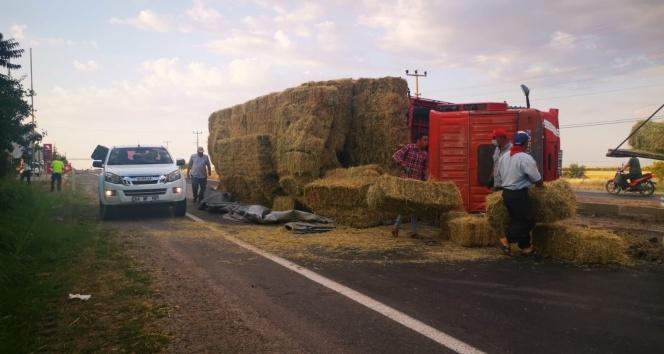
{"type": "Point", "coordinates": [412, 158]}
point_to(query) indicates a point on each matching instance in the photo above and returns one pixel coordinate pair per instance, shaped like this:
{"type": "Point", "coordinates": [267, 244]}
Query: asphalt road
{"type": "Point", "coordinates": [632, 196]}
{"type": "Point", "coordinates": [232, 300]}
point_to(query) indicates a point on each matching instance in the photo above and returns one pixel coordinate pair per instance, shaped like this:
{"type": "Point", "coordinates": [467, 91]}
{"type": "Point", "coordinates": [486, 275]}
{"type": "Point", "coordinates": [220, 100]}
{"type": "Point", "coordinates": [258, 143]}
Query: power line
{"type": "Point", "coordinates": [606, 122]}
{"type": "Point", "coordinates": [197, 132]}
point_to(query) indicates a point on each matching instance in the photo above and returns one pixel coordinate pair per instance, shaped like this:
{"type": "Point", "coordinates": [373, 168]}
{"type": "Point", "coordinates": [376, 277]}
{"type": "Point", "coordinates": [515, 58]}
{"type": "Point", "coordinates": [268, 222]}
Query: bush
{"type": "Point", "coordinates": [576, 171]}
{"type": "Point", "coordinates": [658, 169]}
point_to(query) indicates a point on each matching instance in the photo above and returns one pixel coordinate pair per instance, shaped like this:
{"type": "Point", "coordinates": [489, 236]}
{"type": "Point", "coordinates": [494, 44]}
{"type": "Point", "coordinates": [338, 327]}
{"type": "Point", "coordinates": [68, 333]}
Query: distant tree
{"type": "Point", "coordinates": [13, 106]}
{"type": "Point", "coordinates": [9, 49]}
{"type": "Point", "coordinates": [658, 169]}
{"type": "Point", "coordinates": [576, 171]}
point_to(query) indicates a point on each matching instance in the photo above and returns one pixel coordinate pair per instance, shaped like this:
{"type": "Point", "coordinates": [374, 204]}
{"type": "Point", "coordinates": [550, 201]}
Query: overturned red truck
{"type": "Point", "coordinates": [460, 147]}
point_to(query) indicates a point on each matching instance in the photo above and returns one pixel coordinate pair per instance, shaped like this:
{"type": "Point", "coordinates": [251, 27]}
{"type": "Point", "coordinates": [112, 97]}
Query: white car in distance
{"type": "Point", "coordinates": [139, 175]}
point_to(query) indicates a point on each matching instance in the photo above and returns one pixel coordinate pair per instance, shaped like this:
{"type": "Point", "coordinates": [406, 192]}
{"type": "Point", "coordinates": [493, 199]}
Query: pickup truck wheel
{"type": "Point", "coordinates": [106, 212]}
{"type": "Point", "coordinates": [180, 208]}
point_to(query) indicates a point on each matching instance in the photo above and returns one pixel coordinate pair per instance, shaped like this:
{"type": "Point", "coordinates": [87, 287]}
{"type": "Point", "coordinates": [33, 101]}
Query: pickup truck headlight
{"type": "Point", "coordinates": [112, 178]}
{"type": "Point", "coordinates": [173, 176]}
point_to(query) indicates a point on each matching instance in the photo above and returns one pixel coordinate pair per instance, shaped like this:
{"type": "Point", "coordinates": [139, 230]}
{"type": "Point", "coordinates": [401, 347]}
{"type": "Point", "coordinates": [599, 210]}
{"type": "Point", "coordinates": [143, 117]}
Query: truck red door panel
{"type": "Point", "coordinates": [448, 149]}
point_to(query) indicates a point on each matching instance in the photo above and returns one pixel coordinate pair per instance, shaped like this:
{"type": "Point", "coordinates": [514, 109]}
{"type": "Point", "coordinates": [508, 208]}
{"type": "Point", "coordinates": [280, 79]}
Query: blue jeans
{"type": "Point", "coordinates": [198, 186]}
{"type": "Point", "coordinates": [413, 223]}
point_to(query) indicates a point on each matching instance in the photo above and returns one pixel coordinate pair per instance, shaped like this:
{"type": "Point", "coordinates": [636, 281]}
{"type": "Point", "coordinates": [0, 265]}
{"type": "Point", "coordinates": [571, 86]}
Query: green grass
{"type": "Point", "coordinates": [51, 245]}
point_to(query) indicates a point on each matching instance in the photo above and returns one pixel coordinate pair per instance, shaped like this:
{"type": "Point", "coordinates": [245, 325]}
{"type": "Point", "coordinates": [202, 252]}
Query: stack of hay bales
{"type": "Point", "coordinates": [552, 204]}
{"type": "Point", "coordinates": [342, 196]}
{"type": "Point", "coordinates": [377, 127]}
{"type": "Point", "coordinates": [409, 196]}
{"type": "Point", "coordinates": [649, 138]}
{"type": "Point", "coordinates": [556, 201]}
{"type": "Point", "coordinates": [580, 245]}
{"type": "Point", "coordinates": [310, 128]}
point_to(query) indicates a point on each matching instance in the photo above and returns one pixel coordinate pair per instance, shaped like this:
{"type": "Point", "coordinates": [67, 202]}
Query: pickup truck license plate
{"type": "Point", "coordinates": [144, 199]}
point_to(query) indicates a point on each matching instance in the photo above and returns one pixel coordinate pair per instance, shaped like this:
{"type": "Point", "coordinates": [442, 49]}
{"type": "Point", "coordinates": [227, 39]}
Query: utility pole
{"type": "Point", "coordinates": [197, 132]}
{"type": "Point", "coordinates": [166, 142]}
{"type": "Point", "coordinates": [417, 81]}
{"type": "Point", "coordinates": [32, 109]}
{"type": "Point", "coordinates": [32, 92]}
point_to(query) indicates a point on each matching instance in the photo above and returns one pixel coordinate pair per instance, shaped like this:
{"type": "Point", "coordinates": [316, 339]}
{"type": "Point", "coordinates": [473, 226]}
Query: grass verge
{"type": "Point", "coordinates": [51, 245]}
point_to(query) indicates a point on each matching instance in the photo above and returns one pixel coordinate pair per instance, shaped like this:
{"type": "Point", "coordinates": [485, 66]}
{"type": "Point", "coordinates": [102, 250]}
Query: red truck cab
{"type": "Point", "coordinates": [460, 148]}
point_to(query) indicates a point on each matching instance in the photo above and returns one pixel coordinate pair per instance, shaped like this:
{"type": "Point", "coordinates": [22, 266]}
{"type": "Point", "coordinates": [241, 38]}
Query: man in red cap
{"type": "Point", "coordinates": [503, 145]}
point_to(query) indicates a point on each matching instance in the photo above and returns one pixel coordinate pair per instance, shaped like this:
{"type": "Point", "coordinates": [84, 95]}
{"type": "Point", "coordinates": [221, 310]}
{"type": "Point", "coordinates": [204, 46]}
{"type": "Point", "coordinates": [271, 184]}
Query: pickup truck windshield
{"type": "Point", "coordinates": [139, 156]}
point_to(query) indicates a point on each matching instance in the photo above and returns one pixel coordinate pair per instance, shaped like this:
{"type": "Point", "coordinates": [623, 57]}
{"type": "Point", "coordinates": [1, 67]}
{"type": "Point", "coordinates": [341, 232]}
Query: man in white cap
{"type": "Point", "coordinates": [198, 170]}
{"type": "Point", "coordinates": [517, 172]}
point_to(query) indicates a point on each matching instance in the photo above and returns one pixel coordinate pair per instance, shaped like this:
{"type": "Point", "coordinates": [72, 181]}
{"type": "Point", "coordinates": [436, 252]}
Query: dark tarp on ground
{"type": "Point", "coordinates": [296, 221]}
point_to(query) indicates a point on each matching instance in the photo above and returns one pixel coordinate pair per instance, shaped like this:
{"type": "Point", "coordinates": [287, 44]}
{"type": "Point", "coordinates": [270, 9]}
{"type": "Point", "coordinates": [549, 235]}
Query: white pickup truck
{"type": "Point", "coordinates": [138, 175]}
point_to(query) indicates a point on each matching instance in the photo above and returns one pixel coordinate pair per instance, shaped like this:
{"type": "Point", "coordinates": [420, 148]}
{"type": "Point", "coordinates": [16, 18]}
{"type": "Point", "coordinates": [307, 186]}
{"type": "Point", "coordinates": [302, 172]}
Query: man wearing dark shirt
{"type": "Point", "coordinates": [634, 168]}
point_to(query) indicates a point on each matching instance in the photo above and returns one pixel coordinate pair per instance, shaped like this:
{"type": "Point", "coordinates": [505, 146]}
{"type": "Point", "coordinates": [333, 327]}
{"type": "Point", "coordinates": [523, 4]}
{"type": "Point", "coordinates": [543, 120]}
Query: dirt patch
{"type": "Point", "coordinates": [644, 240]}
{"type": "Point", "coordinates": [203, 316]}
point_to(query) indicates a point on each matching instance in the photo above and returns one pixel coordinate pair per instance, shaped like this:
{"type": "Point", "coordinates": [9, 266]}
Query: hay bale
{"type": "Point", "coordinates": [410, 196]}
{"type": "Point", "coordinates": [445, 218]}
{"type": "Point", "coordinates": [342, 195]}
{"type": "Point", "coordinates": [580, 245]}
{"type": "Point", "coordinates": [649, 138]}
{"type": "Point", "coordinates": [345, 188]}
{"type": "Point", "coordinates": [472, 231]}
{"type": "Point", "coordinates": [283, 203]}
{"type": "Point", "coordinates": [246, 170]}
{"type": "Point", "coordinates": [496, 213]}
{"type": "Point", "coordinates": [555, 202]}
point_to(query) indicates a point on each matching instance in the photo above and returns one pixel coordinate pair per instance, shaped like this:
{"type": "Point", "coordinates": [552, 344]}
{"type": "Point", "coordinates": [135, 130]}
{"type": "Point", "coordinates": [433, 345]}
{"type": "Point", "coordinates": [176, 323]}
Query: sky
{"type": "Point", "coordinates": [151, 72]}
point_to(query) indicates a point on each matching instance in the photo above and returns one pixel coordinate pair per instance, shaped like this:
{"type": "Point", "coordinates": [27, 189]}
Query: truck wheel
{"type": "Point", "coordinates": [106, 212]}
{"type": "Point", "coordinates": [180, 208]}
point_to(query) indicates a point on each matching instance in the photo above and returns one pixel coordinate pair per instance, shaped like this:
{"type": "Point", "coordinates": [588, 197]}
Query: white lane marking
{"type": "Point", "coordinates": [193, 217]}
{"type": "Point", "coordinates": [438, 336]}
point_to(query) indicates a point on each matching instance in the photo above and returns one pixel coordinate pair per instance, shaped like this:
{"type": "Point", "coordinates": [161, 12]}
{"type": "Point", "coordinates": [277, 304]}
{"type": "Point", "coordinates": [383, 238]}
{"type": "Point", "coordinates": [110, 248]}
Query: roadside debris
{"type": "Point", "coordinates": [296, 221]}
{"type": "Point", "coordinates": [80, 297]}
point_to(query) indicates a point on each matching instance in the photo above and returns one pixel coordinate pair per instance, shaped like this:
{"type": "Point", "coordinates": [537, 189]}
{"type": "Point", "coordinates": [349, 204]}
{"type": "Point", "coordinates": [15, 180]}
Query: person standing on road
{"type": "Point", "coordinates": [26, 170]}
{"type": "Point", "coordinates": [198, 170]}
{"type": "Point", "coordinates": [412, 159]}
{"type": "Point", "coordinates": [57, 169]}
{"type": "Point", "coordinates": [517, 172]}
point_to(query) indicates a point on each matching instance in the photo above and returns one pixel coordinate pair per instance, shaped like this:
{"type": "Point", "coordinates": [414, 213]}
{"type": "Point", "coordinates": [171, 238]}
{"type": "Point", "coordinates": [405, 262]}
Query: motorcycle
{"type": "Point", "coordinates": [643, 185]}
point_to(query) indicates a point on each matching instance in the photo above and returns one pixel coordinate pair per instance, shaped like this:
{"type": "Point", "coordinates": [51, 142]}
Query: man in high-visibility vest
{"type": "Point", "coordinates": [57, 169]}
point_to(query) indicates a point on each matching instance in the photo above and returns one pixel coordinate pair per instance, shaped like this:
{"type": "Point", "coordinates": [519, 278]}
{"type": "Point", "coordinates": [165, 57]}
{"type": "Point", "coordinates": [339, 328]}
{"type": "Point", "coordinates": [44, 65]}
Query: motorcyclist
{"type": "Point", "coordinates": [634, 168]}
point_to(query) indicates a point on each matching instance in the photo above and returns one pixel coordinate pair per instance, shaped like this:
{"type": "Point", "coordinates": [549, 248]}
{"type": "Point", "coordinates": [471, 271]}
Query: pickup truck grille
{"type": "Point", "coordinates": [139, 180]}
{"type": "Point", "coordinates": [141, 192]}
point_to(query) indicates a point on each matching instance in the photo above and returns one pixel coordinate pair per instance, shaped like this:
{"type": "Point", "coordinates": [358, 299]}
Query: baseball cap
{"type": "Point", "coordinates": [521, 138]}
{"type": "Point", "coordinates": [499, 132]}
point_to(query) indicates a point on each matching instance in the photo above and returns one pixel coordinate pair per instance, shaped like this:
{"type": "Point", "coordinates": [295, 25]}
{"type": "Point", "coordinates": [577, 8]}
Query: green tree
{"type": "Point", "coordinates": [658, 169]}
{"type": "Point", "coordinates": [9, 49]}
{"type": "Point", "coordinates": [13, 106]}
{"type": "Point", "coordinates": [577, 171]}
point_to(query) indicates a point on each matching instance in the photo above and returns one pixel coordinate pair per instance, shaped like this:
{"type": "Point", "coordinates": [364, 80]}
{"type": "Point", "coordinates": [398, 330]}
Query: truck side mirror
{"type": "Point", "coordinates": [97, 163]}
{"type": "Point", "coordinates": [180, 162]}
{"type": "Point", "coordinates": [526, 92]}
